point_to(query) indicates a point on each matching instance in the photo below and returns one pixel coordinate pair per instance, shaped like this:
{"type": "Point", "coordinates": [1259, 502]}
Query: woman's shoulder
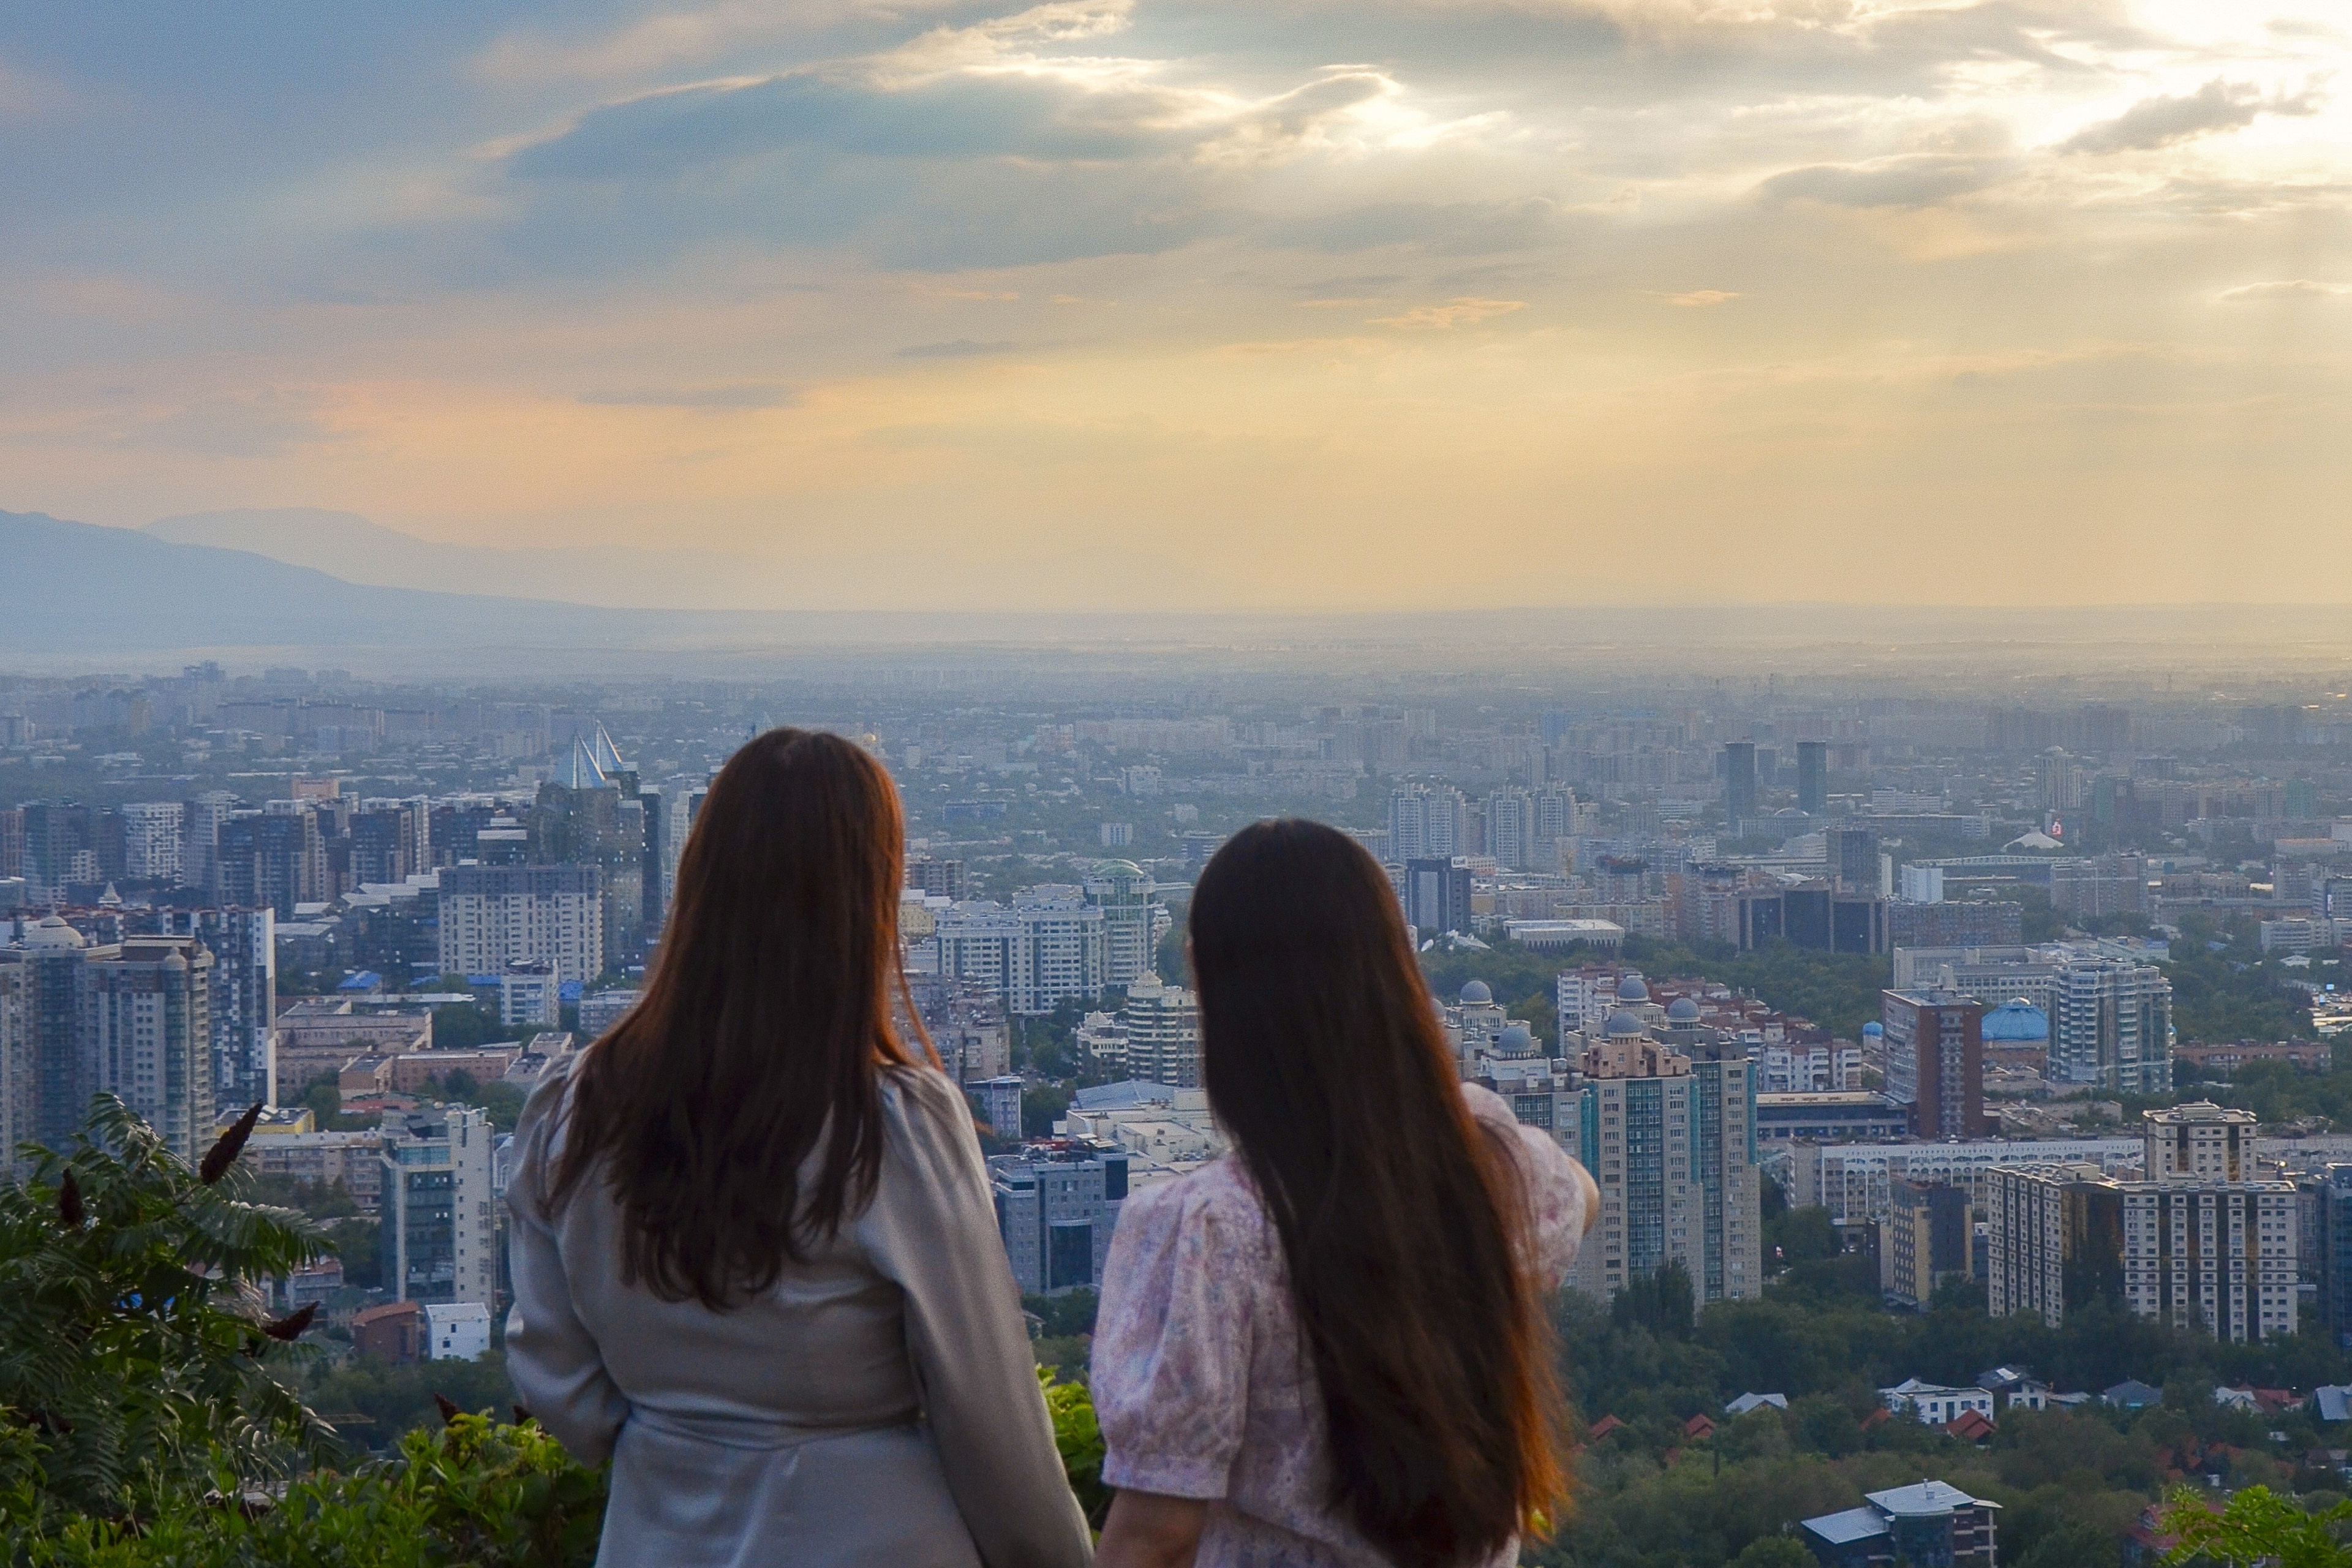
{"type": "Point", "coordinates": [923, 1092]}
{"type": "Point", "coordinates": [1219, 1192]}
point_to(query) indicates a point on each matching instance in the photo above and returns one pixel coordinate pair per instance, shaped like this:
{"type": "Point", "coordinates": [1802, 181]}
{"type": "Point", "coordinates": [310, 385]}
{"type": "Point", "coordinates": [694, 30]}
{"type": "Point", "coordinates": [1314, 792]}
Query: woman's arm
{"type": "Point", "coordinates": [1149, 1531]}
{"type": "Point", "coordinates": [932, 1228]}
{"type": "Point", "coordinates": [553, 1361]}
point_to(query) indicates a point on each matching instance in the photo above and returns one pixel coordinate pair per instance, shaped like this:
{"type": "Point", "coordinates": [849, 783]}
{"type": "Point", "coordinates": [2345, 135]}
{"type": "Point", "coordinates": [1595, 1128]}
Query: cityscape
{"type": "Point", "coordinates": [1037, 783]}
{"type": "Point", "coordinates": [1921, 1005]}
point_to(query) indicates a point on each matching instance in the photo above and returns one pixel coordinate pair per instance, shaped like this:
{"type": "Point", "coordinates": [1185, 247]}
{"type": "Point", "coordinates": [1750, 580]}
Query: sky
{"type": "Point", "coordinates": [1200, 304]}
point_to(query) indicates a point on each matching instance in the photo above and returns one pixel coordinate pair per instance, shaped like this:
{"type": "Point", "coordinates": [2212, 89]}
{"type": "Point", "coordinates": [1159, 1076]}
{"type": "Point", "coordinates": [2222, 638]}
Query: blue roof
{"type": "Point", "coordinates": [365, 980]}
{"type": "Point", "coordinates": [2016, 1021]}
{"type": "Point", "coordinates": [1854, 1524]}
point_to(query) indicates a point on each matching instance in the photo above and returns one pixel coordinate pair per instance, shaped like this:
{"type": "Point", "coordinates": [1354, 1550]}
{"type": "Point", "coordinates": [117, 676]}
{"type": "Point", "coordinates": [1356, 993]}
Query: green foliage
{"type": "Point", "coordinates": [1773, 1551]}
{"type": "Point", "coordinates": [2256, 1527]}
{"type": "Point", "coordinates": [1660, 1301]}
{"type": "Point", "coordinates": [1042, 1105]}
{"type": "Point", "coordinates": [373, 1405]}
{"type": "Point", "coordinates": [2236, 993]}
{"type": "Point", "coordinates": [1078, 1438]}
{"type": "Point", "coordinates": [1069, 1313]}
{"type": "Point", "coordinates": [133, 1366]}
{"type": "Point", "coordinates": [484, 1495]}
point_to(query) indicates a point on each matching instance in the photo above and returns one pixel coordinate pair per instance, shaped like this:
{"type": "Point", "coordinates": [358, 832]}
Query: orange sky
{"type": "Point", "coordinates": [1216, 304]}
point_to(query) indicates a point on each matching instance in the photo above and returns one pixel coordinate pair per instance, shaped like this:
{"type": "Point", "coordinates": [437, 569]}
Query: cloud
{"type": "Point", "coordinates": [726, 394]}
{"type": "Point", "coordinates": [2155, 122]}
{"type": "Point", "coordinates": [1918, 180]}
{"type": "Point", "coordinates": [2290, 288]}
{"type": "Point", "coordinates": [1699, 299]}
{"type": "Point", "coordinates": [961, 348]}
{"type": "Point", "coordinates": [1450, 229]}
{"type": "Point", "coordinates": [1465, 312]}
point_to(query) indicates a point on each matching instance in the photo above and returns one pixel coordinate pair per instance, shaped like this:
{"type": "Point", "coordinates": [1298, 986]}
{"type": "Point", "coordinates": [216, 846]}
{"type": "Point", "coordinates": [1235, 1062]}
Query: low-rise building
{"type": "Point", "coordinates": [456, 1331]}
{"type": "Point", "coordinates": [1926, 1523]}
{"type": "Point", "coordinates": [1057, 1203]}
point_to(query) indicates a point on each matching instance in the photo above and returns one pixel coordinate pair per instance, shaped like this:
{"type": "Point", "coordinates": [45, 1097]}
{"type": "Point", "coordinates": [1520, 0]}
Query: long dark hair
{"type": "Point", "coordinates": [1400, 1214]}
{"type": "Point", "coordinates": [761, 1031]}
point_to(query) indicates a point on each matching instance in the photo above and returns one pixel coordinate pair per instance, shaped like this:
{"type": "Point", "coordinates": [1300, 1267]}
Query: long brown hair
{"type": "Point", "coordinates": [761, 1032]}
{"type": "Point", "coordinates": [1400, 1214]}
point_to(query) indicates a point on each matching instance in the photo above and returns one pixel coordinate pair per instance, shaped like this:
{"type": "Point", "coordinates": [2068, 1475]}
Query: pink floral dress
{"type": "Point", "coordinates": [1197, 1376]}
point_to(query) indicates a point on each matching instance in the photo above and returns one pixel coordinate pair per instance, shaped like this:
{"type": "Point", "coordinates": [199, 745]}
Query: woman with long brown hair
{"type": "Point", "coordinates": [1329, 1347]}
{"type": "Point", "coordinates": [755, 1252]}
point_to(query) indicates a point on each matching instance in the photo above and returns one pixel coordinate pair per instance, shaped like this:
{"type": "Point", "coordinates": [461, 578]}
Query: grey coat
{"type": "Point", "coordinates": [878, 1406]}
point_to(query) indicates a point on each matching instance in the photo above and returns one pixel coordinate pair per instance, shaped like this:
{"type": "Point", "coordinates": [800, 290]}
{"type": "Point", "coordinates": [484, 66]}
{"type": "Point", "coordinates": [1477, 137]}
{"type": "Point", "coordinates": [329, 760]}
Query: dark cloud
{"type": "Point", "coordinates": [1918, 182]}
{"type": "Point", "coordinates": [729, 394]}
{"type": "Point", "coordinates": [962, 347]}
{"type": "Point", "coordinates": [2219, 105]}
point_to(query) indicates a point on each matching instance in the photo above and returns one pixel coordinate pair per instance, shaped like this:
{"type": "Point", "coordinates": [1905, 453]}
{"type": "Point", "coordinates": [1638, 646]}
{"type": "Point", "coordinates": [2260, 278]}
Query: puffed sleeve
{"type": "Point", "coordinates": [1556, 1186]}
{"type": "Point", "coordinates": [932, 1228]}
{"type": "Point", "coordinates": [556, 1370]}
{"type": "Point", "coordinates": [1172, 1344]}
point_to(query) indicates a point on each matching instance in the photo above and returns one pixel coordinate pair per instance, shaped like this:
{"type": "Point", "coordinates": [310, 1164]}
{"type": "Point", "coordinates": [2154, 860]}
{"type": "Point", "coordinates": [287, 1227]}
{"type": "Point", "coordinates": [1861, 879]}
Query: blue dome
{"type": "Point", "coordinates": [1682, 1010]}
{"type": "Point", "coordinates": [1477, 994]}
{"type": "Point", "coordinates": [1519, 1040]}
{"type": "Point", "coordinates": [2017, 1020]}
{"type": "Point", "coordinates": [1871, 1031]}
{"type": "Point", "coordinates": [1622, 1025]}
{"type": "Point", "coordinates": [1632, 989]}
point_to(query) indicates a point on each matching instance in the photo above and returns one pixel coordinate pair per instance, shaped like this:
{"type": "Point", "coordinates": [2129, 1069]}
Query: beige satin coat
{"type": "Point", "coordinates": [878, 1406]}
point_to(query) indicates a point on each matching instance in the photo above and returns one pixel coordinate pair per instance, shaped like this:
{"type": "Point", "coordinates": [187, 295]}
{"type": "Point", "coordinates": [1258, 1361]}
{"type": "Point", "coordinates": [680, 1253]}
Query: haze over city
{"type": "Point", "coordinates": [1198, 305]}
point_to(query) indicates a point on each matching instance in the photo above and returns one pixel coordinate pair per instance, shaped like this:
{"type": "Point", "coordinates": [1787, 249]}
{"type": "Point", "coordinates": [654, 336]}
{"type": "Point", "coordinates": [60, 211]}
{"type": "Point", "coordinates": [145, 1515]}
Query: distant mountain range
{"type": "Point", "coordinates": [349, 546]}
{"type": "Point", "coordinates": [74, 588]}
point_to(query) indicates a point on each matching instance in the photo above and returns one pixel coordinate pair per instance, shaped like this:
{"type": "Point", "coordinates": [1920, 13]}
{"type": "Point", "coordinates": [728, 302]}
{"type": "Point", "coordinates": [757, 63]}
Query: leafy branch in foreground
{"type": "Point", "coordinates": [136, 1357]}
{"type": "Point", "coordinates": [2256, 1527]}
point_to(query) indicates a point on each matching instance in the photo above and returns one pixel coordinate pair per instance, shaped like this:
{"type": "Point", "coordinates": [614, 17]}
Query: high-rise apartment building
{"type": "Point", "coordinates": [1671, 1142]}
{"type": "Point", "coordinates": [493, 915]}
{"type": "Point", "coordinates": [19, 1086]}
{"type": "Point", "coordinates": [1122, 891]}
{"type": "Point", "coordinates": [243, 945]}
{"type": "Point", "coordinates": [1511, 828]}
{"type": "Point", "coordinates": [271, 859]}
{"type": "Point", "coordinates": [1428, 821]}
{"type": "Point", "coordinates": [2196, 1243]}
{"type": "Point", "coordinates": [1813, 778]}
{"type": "Point", "coordinates": [1739, 783]}
{"type": "Point", "coordinates": [2110, 1014]}
{"type": "Point", "coordinates": [129, 1018]}
{"type": "Point", "coordinates": [1935, 1060]}
{"type": "Point", "coordinates": [438, 1236]}
{"type": "Point", "coordinates": [2333, 1250]}
{"type": "Point", "coordinates": [2055, 1238]}
{"type": "Point", "coordinates": [2199, 1141]}
{"type": "Point", "coordinates": [1056, 1205]}
{"type": "Point", "coordinates": [1928, 1239]}
{"type": "Point", "coordinates": [1162, 1026]}
{"type": "Point", "coordinates": [1041, 950]}
{"type": "Point", "coordinates": [152, 840]}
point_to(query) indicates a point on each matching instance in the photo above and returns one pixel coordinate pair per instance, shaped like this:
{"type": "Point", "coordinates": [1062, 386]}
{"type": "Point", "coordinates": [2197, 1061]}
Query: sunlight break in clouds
{"type": "Point", "coordinates": [889, 301]}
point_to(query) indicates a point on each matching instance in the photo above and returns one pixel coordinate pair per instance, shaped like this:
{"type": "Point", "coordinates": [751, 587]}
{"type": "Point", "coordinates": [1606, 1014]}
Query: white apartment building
{"type": "Point", "coordinates": [438, 1238]}
{"type": "Point", "coordinates": [1511, 828]}
{"type": "Point", "coordinates": [1122, 891]}
{"type": "Point", "coordinates": [2213, 1256]}
{"type": "Point", "coordinates": [1163, 1033]}
{"type": "Point", "coordinates": [152, 840]}
{"type": "Point", "coordinates": [1853, 1181]}
{"type": "Point", "coordinates": [494, 915]}
{"type": "Point", "coordinates": [1044, 948]}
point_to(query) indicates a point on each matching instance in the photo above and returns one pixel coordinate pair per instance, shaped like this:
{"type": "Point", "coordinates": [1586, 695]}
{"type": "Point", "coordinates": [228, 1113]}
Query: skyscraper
{"type": "Point", "coordinates": [1853, 853]}
{"type": "Point", "coordinates": [1162, 1024]}
{"type": "Point", "coordinates": [152, 840]}
{"type": "Point", "coordinates": [1813, 778]}
{"type": "Point", "coordinates": [1739, 783]}
{"type": "Point", "coordinates": [1437, 895]}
